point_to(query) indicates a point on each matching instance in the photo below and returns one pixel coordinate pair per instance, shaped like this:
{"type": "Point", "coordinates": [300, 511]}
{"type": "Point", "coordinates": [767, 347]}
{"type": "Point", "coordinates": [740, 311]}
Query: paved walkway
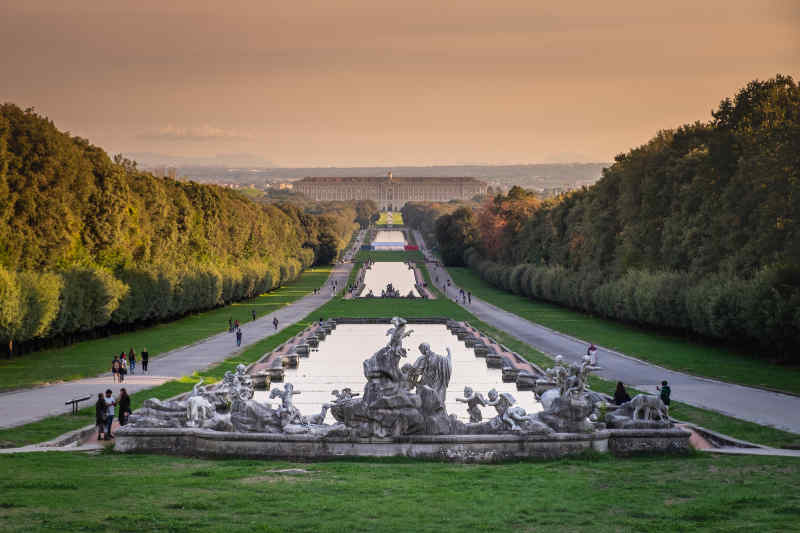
{"type": "Point", "coordinates": [28, 405]}
{"type": "Point", "coordinates": [756, 405]}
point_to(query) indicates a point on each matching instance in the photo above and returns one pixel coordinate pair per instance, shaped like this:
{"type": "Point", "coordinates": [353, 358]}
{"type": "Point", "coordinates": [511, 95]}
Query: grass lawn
{"type": "Point", "coordinates": [53, 491]}
{"type": "Point", "coordinates": [670, 351]}
{"type": "Point", "coordinates": [388, 255]}
{"type": "Point", "coordinates": [397, 218]}
{"type": "Point", "coordinates": [90, 358]}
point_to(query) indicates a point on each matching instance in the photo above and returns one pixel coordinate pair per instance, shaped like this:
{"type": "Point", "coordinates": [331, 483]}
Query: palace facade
{"type": "Point", "coordinates": [390, 193]}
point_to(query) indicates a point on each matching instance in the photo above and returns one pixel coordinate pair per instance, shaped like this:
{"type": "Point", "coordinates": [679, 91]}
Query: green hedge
{"type": "Point", "coordinates": [760, 310]}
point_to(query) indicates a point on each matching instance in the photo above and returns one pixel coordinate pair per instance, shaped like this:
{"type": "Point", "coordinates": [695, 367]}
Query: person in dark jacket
{"type": "Point", "coordinates": [665, 392]}
{"type": "Point", "coordinates": [132, 361]}
{"type": "Point", "coordinates": [100, 415]}
{"type": "Point", "coordinates": [124, 403]}
{"type": "Point", "coordinates": [145, 359]}
{"type": "Point", "coordinates": [621, 395]}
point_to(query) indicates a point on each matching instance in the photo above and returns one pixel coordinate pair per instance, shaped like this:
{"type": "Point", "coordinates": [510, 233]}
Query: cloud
{"type": "Point", "coordinates": [205, 132]}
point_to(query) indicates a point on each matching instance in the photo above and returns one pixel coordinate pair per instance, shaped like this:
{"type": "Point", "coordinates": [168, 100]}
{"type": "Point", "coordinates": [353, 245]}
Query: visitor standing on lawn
{"type": "Point", "coordinates": [124, 406]}
{"type": "Point", "coordinates": [110, 404]}
{"type": "Point", "coordinates": [665, 392]}
{"type": "Point", "coordinates": [100, 415]}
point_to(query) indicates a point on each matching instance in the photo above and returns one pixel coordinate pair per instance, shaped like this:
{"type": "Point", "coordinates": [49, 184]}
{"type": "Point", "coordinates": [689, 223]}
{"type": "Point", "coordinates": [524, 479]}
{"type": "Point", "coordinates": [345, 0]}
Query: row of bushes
{"type": "Point", "coordinates": [80, 299]}
{"type": "Point", "coordinates": [764, 310]}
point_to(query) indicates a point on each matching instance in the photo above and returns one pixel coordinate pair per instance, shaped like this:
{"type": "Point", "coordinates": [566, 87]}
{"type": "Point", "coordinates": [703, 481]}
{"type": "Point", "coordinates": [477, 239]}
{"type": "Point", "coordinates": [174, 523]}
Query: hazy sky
{"type": "Point", "coordinates": [380, 83]}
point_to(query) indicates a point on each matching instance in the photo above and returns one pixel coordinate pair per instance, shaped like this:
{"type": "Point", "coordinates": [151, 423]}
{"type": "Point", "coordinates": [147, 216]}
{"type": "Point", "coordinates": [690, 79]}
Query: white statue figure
{"type": "Point", "coordinates": [433, 370]}
{"type": "Point", "coordinates": [506, 410]}
{"type": "Point", "coordinates": [473, 400]}
{"type": "Point", "coordinates": [319, 418]}
{"type": "Point", "coordinates": [398, 333]}
{"type": "Point", "coordinates": [346, 394]}
{"type": "Point", "coordinates": [198, 408]}
{"type": "Point", "coordinates": [288, 413]}
{"type": "Point", "coordinates": [579, 374]}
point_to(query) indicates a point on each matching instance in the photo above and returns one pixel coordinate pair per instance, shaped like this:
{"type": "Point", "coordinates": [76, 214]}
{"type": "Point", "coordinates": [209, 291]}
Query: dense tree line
{"type": "Point", "coordinates": [698, 230]}
{"type": "Point", "coordinates": [88, 243]}
{"type": "Point", "coordinates": [423, 216]}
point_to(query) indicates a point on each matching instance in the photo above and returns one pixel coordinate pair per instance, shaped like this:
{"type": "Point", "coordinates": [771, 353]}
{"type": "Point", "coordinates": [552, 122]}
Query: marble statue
{"type": "Point", "coordinates": [287, 412]}
{"type": "Point", "coordinates": [433, 370]}
{"type": "Point", "coordinates": [473, 400]}
{"type": "Point", "coordinates": [506, 410]}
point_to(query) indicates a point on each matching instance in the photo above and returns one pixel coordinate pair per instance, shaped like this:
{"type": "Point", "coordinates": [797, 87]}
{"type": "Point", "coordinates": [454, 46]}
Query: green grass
{"type": "Point", "coordinates": [90, 358]}
{"type": "Point", "coordinates": [397, 219]}
{"type": "Point", "coordinates": [387, 255]}
{"type": "Point", "coordinates": [670, 351]}
{"type": "Point", "coordinates": [54, 491]}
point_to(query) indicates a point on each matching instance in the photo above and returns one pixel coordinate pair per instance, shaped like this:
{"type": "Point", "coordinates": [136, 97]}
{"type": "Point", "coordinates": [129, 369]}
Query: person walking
{"type": "Point", "coordinates": [115, 369]}
{"type": "Point", "coordinates": [124, 406]}
{"type": "Point", "coordinates": [469, 296]}
{"type": "Point", "coordinates": [230, 325]}
{"type": "Point", "coordinates": [123, 368]}
{"type": "Point", "coordinates": [236, 324]}
{"type": "Point", "coordinates": [132, 361]}
{"type": "Point", "coordinates": [145, 360]}
{"type": "Point", "coordinates": [253, 312]}
{"type": "Point", "coordinates": [592, 353]}
{"type": "Point", "coordinates": [239, 337]}
{"type": "Point", "coordinates": [100, 415]}
{"type": "Point", "coordinates": [275, 323]}
{"type": "Point", "coordinates": [110, 404]}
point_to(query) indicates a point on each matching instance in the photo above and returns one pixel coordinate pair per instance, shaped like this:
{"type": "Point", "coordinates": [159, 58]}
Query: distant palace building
{"type": "Point", "coordinates": [390, 193]}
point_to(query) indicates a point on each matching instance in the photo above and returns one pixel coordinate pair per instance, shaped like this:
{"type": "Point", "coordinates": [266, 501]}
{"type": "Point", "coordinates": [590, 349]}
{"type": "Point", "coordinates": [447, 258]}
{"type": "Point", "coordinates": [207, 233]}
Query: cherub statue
{"type": "Point", "coordinates": [287, 412]}
{"type": "Point", "coordinates": [473, 400]}
{"type": "Point", "coordinates": [579, 374]}
{"type": "Point", "coordinates": [345, 395]}
{"type": "Point", "coordinates": [398, 333]}
{"type": "Point", "coordinates": [506, 410]}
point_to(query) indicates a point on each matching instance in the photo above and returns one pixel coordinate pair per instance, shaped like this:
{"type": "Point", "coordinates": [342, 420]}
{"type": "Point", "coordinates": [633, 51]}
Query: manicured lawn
{"type": "Point", "coordinates": [55, 492]}
{"type": "Point", "coordinates": [387, 255]}
{"type": "Point", "coordinates": [677, 353]}
{"type": "Point", "coordinates": [90, 358]}
{"type": "Point", "coordinates": [397, 218]}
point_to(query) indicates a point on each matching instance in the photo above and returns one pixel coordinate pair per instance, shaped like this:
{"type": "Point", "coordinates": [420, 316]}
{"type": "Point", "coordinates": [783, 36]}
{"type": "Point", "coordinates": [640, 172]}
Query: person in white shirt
{"type": "Point", "coordinates": [110, 404]}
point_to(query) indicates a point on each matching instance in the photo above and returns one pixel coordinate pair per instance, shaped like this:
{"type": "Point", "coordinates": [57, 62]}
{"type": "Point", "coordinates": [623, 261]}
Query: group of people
{"type": "Point", "coordinates": [105, 409]}
{"type": "Point", "coordinates": [125, 363]}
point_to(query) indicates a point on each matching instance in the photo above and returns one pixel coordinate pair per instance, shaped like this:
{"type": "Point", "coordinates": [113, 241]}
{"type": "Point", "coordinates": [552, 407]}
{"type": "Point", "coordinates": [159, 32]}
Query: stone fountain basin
{"type": "Point", "coordinates": [456, 448]}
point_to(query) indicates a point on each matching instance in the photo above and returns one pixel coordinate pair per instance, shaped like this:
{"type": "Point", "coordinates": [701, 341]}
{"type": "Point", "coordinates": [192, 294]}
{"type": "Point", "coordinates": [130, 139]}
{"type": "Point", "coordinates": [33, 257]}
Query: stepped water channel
{"type": "Point", "coordinates": [338, 364]}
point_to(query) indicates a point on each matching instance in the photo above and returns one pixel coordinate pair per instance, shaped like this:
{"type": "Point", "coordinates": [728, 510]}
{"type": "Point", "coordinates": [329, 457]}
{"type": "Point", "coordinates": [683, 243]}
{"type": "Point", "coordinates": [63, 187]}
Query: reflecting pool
{"type": "Point", "coordinates": [389, 240]}
{"type": "Point", "coordinates": [383, 273]}
{"type": "Point", "coordinates": [338, 364]}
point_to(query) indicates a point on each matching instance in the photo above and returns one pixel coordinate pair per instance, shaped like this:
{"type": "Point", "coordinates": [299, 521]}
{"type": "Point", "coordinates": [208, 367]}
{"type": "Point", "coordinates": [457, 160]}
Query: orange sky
{"type": "Point", "coordinates": [379, 83]}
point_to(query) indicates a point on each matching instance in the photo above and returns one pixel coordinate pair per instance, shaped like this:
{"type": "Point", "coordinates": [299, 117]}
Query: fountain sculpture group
{"type": "Point", "coordinates": [401, 403]}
